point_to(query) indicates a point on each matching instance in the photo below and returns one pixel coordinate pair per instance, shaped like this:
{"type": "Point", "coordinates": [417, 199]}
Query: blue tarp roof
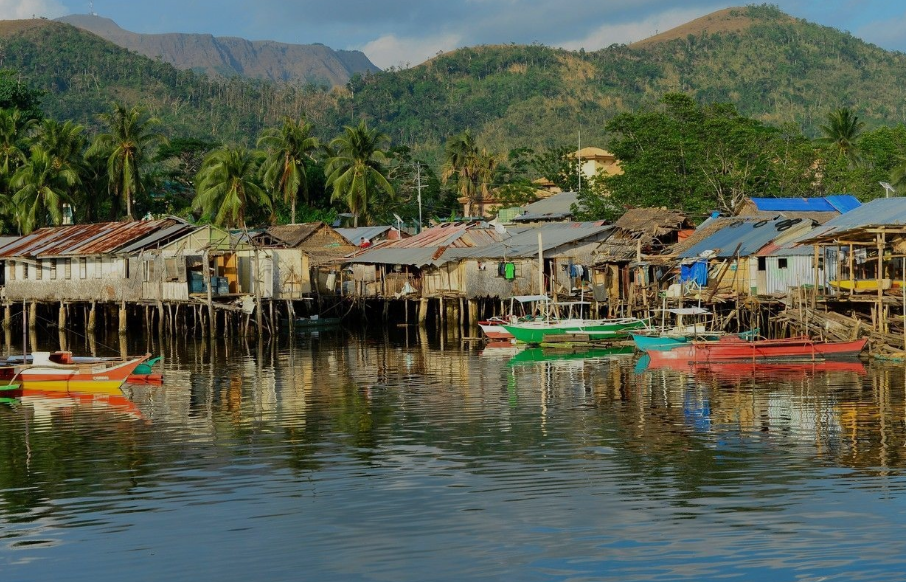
{"type": "Point", "coordinates": [841, 203]}
{"type": "Point", "coordinates": [738, 233]}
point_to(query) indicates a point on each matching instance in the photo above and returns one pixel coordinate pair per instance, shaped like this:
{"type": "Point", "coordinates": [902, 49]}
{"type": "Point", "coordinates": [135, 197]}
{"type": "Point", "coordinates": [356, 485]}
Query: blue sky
{"type": "Point", "coordinates": [406, 32]}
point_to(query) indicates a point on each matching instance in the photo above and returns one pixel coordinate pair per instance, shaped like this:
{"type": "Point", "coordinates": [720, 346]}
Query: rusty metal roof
{"type": "Point", "coordinates": [83, 239]}
{"type": "Point", "coordinates": [451, 234]}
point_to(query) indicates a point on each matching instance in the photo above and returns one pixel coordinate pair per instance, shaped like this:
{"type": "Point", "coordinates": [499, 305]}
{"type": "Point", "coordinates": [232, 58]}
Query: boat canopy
{"type": "Point", "coordinates": [530, 298]}
{"type": "Point", "coordinates": [687, 310]}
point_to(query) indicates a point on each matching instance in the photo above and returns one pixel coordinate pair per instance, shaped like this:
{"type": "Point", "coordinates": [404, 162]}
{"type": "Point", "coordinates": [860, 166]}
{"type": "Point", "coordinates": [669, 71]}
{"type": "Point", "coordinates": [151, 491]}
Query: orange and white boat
{"type": "Point", "coordinates": [61, 372]}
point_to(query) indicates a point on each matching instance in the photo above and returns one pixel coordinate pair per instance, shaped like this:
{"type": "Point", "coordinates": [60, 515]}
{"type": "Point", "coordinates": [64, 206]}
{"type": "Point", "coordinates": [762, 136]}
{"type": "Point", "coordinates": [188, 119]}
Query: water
{"type": "Point", "coordinates": [344, 457]}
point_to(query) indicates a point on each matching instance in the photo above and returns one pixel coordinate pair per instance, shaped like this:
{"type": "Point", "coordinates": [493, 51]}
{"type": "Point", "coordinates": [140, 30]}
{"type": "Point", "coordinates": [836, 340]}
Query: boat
{"type": "Point", "coordinates": [734, 348]}
{"type": "Point", "coordinates": [667, 338]}
{"type": "Point", "coordinates": [493, 328]}
{"type": "Point", "coordinates": [316, 321]}
{"type": "Point", "coordinates": [864, 285]}
{"type": "Point", "coordinates": [144, 373]}
{"type": "Point", "coordinates": [536, 332]}
{"type": "Point", "coordinates": [62, 372]}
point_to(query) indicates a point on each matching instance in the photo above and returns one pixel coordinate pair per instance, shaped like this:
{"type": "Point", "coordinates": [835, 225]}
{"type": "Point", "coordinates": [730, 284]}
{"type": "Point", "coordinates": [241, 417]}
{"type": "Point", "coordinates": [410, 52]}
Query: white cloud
{"type": "Point", "coordinates": [629, 32]}
{"type": "Point", "coordinates": [393, 51]}
{"type": "Point", "coordinates": [18, 9]}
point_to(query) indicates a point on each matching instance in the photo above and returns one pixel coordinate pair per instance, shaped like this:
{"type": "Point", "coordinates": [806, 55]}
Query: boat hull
{"type": "Point", "coordinates": [536, 332]}
{"type": "Point", "coordinates": [783, 350]}
{"type": "Point", "coordinates": [494, 331]}
{"type": "Point", "coordinates": [93, 378]}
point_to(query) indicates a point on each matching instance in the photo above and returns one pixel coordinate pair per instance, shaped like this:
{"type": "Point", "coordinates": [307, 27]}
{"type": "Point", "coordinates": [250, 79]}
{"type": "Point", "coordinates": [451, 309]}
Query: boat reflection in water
{"type": "Point", "coordinates": [752, 370]}
{"type": "Point", "coordinates": [46, 403]}
{"type": "Point", "coordinates": [532, 355]}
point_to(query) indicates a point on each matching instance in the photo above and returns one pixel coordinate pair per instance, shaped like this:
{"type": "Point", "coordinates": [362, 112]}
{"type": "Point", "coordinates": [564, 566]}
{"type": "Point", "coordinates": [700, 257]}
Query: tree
{"type": "Point", "coordinates": [41, 186]}
{"type": "Point", "coordinates": [126, 144]}
{"type": "Point", "coordinates": [14, 94]}
{"type": "Point", "coordinates": [355, 171]}
{"type": "Point", "coordinates": [14, 129]}
{"type": "Point", "coordinates": [288, 147]}
{"type": "Point", "coordinates": [473, 169]}
{"type": "Point", "coordinates": [841, 134]}
{"type": "Point", "coordinates": [227, 188]}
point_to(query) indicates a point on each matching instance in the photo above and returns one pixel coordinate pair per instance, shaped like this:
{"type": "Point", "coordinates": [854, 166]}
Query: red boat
{"type": "Point", "coordinates": [732, 348]}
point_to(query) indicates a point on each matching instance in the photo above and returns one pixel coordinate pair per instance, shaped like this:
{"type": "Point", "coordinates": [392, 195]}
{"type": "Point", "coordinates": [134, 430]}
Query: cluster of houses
{"type": "Point", "coordinates": [835, 247]}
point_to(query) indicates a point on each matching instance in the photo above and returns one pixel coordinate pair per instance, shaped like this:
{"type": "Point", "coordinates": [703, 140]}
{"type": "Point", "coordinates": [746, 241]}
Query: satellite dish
{"type": "Point", "coordinates": [397, 217]}
{"type": "Point", "coordinates": [499, 228]}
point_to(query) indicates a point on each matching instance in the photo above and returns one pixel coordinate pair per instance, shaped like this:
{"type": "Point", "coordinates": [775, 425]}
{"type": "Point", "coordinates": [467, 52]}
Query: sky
{"type": "Point", "coordinates": [402, 33]}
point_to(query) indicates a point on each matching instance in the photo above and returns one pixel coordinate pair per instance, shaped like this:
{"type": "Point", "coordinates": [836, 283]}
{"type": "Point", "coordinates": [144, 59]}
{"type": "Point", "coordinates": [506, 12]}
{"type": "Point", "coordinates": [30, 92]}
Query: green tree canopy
{"type": "Point", "coordinates": [355, 171]}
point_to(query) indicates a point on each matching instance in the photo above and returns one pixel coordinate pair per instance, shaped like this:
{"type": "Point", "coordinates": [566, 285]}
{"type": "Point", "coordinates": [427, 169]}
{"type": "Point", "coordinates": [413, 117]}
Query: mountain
{"type": "Point", "coordinates": [773, 67]}
{"type": "Point", "coordinates": [81, 74]}
{"type": "Point", "coordinates": [228, 56]}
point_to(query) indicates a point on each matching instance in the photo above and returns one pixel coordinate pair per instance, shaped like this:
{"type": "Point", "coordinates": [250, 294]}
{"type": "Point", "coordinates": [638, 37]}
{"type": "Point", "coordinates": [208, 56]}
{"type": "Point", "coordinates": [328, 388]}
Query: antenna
{"type": "Point", "coordinates": [91, 8]}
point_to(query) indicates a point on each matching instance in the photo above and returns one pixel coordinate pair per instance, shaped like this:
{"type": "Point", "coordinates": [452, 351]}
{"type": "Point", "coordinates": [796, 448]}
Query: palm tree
{"type": "Point", "coordinates": [226, 187]}
{"type": "Point", "coordinates": [41, 186]}
{"type": "Point", "coordinates": [14, 128]}
{"type": "Point", "coordinates": [355, 171]}
{"type": "Point", "coordinates": [284, 168]}
{"type": "Point", "coordinates": [841, 133]}
{"type": "Point", "coordinates": [472, 168]}
{"type": "Point", "coordinates": [126, 145]}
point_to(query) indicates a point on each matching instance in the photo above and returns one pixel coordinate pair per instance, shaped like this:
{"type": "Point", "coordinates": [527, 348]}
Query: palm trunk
{"type": "Point", "coordinates": [293, 212]}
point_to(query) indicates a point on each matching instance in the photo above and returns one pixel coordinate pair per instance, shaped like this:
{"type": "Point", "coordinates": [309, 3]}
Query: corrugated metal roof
{"type": "Point", "coordinates": [840, 203]}
{"type": "Point", "coordinates": [387, 255]}
{"type": "Point", "coordinates": [451, 234]}
{"type": "Point", "coordinates": [739, 236]}
{"type": "Point", "coordinates": [878, 212]}
{"type": "Point", "coordinates": [354, 235]}
{"type": "Point", "coordinates": [525, 243]}
{"type": "Point", "coordinates": [556, 207]}
{"type": "Point", "coordinates": [83, 239]}
{"type": "Point", "coordinates": [163, 235]}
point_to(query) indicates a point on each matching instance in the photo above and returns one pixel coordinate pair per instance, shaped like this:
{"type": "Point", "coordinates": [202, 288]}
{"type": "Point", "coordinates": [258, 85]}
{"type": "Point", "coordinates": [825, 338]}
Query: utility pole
{"type": "Point", "coordinates": [418, 178]}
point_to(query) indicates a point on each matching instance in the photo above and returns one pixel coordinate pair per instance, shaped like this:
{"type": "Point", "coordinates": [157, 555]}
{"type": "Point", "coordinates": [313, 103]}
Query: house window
{"type": "Point", "coordinates": [126, 268]}
{"type": "Point", "coordinates": [12, 270]}
{"type": "Point", "coordinates": [83, 268]}
{"type": "Point", "coordinates": [781, 263]}
{"type": "Point", "coordinates": [39, 270]}
{"type": "Point", "coordinates": [53, 268]}
{"type": "Point", "coordinates": [98, 263]}
{"type": "Point", "coordinates": [67, 268]}
{"type": "Point", "coordinates": [24, 271]}
{"type": "Point", "coordinates": [762, 264]}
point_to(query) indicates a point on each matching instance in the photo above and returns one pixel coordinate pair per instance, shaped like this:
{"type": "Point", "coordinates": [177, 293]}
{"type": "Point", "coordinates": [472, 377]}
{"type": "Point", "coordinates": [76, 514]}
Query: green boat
{"type": "Point", "coordinates": [535, 332]}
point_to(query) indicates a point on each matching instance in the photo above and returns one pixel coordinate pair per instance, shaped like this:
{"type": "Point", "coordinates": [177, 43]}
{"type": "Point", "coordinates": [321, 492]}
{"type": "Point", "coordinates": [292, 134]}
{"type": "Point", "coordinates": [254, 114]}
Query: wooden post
{"type": "Point", "coordinates": [473, 313]}
{"type": "Point", "coordinates": [123, 319]}
{"type": "Point", "coordinates": [882, 321]}
{"type": "Point", "coordinates": [92, 318]}
{"type": "Point", "coordinates": [422, 311]}
{"type": "Point", "coordinates": [61, 318]}
{"type": "Point", "coordinates": [815, 281]}
{"type": "Point", "coordinates": [257, 294]}
{"type": "Point", "coordinates": [33, 316]}
{"type": "Point", "coordinates": [7, 316]}
{"type": "Point", "coordinates": [206, 265]}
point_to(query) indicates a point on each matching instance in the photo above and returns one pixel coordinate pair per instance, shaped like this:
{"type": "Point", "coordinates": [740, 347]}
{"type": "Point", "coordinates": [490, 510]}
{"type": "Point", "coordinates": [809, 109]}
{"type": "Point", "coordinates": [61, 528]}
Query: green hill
{"type": "Point", "coordinates": [773, 67]}
{"type": "Point", "coordinates": [82, 74]}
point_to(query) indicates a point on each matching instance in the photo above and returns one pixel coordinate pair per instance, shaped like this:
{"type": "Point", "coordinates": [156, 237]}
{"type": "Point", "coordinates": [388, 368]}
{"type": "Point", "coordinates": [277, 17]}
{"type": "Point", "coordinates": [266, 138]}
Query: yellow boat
{"type": "Point", "coordinates": [862, 285]}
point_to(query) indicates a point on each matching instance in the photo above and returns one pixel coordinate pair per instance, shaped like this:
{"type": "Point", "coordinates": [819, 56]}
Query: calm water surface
{"type": "Point", "coordinates": [347, 457]}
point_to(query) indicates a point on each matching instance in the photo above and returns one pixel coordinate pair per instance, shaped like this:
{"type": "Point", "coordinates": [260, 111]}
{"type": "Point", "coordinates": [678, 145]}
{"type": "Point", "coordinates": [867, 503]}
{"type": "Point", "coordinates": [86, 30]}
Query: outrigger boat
{"type": "Point", "coordinates": [536, 332]}
{"type": "Point", "coordinates": [62, 372]}
{"type": "Point", "coordinates": [734, 348]}
{"type": "Point", "coordinates": [493, 328]}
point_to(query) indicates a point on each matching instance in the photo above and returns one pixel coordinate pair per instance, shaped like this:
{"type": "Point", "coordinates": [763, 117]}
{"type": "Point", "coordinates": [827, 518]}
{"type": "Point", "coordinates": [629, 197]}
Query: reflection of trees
{"type": "Point", "coordinates": [302, 405]}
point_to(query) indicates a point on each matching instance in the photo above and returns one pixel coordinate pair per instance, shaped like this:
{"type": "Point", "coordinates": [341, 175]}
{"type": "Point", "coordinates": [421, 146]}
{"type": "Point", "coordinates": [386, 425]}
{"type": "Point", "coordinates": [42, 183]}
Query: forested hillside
{"type": "Point", "coordinates": [776, 69]}
{"type": "Point", "coordinates": [82, 74]}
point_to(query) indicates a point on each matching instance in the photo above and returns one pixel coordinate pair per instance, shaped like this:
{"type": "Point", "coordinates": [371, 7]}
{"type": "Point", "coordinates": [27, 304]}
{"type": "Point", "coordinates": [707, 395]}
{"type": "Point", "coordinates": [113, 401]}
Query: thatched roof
{"type": "Point", "coordinates": [653, 222]}
{"type": "Point", "coordinates": [288, 235]}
